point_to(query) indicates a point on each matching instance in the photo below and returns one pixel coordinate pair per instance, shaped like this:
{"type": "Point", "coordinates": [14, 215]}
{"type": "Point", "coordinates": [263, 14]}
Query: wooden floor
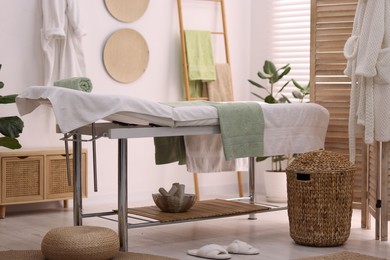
{"type": "Point", "coordinates": [24, 229]}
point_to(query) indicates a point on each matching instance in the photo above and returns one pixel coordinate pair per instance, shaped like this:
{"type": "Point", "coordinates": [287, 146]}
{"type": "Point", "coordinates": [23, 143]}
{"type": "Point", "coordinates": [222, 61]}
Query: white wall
{"type": "Point", "coordinates": [21, 56]}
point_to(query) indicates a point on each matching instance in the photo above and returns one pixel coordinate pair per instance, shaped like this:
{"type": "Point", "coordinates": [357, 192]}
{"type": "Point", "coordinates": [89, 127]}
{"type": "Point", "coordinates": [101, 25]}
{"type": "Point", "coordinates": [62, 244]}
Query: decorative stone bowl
{"type": "Point", "coordinates": [174, 204]}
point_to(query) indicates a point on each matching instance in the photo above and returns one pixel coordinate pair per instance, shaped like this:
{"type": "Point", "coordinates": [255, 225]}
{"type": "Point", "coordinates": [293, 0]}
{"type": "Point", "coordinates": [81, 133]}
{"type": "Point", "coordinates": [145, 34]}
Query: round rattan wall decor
{"type": "Point", "coordinates": [126, 55]}
{"type": "Point", "coordinates": [127, 10]}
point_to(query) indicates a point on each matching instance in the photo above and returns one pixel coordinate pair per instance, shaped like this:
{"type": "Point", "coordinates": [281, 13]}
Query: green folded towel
{"type": "Point", "coordinates": [242, 129]}
{"type": "Point", "coordinates": [200, 56]}
{"type": "Point", "coordinates": [169, 150]}
{"type": "Point", "coordinates": [77, 83]}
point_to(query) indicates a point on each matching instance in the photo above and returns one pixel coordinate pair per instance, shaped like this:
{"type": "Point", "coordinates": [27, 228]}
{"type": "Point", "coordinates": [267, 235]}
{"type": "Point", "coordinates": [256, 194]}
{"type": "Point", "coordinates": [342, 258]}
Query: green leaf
{"type": "Point", "coordinates": [7, 99]}
{"type": "Point", "coordinates": [11, 126]}
{"type": "Point", "coordinates": [274, 78]}
{"type": "Point", "coordinates": [261, 158]}
{"type": "Point", "coordinates": [285, 66]}
{"type": "Point", "coordinates": [270, 99]}
{"type": "Point", "coordinates": [284, 99]}
{"type": "Point", "coordinates": [269, 68]}
{"type": "Point", "coordinates": [307, 89]}
{"type": "Point", "coordinates": [1, 82]}
{"type": "Point", "coordinates": [261, 75]}
{"type": "Point", "coordinates": [296, 84]}
{"type": "Point", "coordinates": [9, 142]}
{"type": "Point", "coordinates": [285, 84]}
{"type": "Point", "coordinates": [256, 84]}
{"type": "Point", "coordinates": [257, 96]}
{"type": "Point", "coordinates": [285, 72]}
{"type": "Point", "coordinates": [297, 94]}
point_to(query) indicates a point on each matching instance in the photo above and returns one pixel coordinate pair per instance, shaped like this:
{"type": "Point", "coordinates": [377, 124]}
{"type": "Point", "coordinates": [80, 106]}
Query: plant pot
{"type": "Point", "coordinates": [275, 186]}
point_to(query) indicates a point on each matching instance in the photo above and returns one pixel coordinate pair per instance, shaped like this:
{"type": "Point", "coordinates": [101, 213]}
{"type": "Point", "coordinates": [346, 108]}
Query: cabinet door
{"type": "Point", "coordinates": [57, 186]}
{"type": "Point", "coordinates": [21, 178]}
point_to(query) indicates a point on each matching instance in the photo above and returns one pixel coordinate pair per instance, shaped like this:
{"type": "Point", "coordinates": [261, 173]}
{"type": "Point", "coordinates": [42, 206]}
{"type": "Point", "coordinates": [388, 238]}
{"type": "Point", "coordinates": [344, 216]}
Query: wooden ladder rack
{"type": "Point", "coordinates": [183, 46]}
{"type": "Point", "coordinates": [187, 91]}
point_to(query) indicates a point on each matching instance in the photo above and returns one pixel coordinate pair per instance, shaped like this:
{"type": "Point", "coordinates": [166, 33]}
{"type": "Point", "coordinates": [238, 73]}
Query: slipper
{"type": "Point", "coordinates": [211, 251]}
{"type": "Point", "coordinates": [241, 248]}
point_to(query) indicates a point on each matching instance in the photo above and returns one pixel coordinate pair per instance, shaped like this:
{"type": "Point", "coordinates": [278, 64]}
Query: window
{"type": "Point", "coordinates": [290, 41]}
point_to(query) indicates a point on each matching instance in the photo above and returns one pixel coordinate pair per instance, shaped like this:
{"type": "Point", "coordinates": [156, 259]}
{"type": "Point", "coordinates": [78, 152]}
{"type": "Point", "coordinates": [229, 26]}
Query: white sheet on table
{"type": "Point", "coordinates": [74, 109]}
{"type": "Point", "coordinates": [288, 128]}
{"type": "Point", "coordinates": [294, 128]}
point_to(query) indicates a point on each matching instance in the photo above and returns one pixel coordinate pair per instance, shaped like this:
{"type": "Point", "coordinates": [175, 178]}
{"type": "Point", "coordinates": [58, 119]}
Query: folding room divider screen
{"type": "Point", "coordinates": [331, 26]}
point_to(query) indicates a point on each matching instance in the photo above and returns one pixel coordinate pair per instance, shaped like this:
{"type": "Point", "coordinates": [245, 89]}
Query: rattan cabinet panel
{"type": "Point", "coordinates": [37, 175]}
{"type": "Point", "coordinates": [21, 178]}
{"type": "Point", "coordinates": [57, 185]}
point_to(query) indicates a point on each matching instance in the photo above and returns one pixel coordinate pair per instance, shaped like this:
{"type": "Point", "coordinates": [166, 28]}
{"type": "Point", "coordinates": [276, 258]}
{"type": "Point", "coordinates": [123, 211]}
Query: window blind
{"type": "Point", "coordinates": [290, 41]}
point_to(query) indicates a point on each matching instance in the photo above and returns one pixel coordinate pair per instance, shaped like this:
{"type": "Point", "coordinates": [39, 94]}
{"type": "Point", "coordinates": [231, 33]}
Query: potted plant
{"type": "Point", "coordinates": [10, 126]}
{"type": "Point", "coordinates": [275, 178]}
{"type": "Point", "coordinates": [272, 75]}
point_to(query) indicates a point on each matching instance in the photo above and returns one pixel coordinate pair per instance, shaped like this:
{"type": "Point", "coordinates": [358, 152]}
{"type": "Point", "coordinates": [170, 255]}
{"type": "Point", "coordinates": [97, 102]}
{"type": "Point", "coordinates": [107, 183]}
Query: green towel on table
{"type": "Point", "coordinates": [76, 83]}
{"type": "Point", "coordinates": [200, 57]}
{"type": "Point", "coordinates": [242, 129]}
{"type": "Point", "coordinates": [170, 149]}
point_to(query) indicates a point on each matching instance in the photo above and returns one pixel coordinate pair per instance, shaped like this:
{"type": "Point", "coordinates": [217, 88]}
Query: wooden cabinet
{"type": "Point", "coordinates": [32, 175]}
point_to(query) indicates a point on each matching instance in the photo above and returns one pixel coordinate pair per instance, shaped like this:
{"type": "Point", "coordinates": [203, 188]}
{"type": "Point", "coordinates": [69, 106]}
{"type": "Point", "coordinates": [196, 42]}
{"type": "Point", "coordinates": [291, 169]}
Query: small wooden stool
{"type": "Point", "coordinates": [80, 243]}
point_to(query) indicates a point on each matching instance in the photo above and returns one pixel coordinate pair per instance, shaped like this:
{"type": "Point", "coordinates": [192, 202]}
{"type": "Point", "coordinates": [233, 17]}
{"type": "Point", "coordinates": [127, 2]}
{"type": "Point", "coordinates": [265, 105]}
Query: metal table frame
{"type": "Point", "coordinates": [122, 133]}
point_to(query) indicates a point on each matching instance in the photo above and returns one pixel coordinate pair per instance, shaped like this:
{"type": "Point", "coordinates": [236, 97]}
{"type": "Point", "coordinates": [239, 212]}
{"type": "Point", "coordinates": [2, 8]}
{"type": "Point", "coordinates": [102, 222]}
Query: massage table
{"type": "Point", "coordinates": [288, 129]}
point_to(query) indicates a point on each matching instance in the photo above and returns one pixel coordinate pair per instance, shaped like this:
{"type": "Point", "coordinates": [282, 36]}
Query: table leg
{"type": "Point", "coordinates": [77, 199]}
{"type": "Point", "coordinates": [2, 211]}
{"type": "Point", "coordinates": [384, 192]}
{"type": "Point", "coordinates": [122, 195]}
{"type": "Point", "coordinates": [252, 183]}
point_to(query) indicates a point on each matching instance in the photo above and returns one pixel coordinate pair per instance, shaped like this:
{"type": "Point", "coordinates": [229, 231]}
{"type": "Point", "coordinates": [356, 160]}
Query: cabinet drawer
{"type": "Point", "coordinates": [57, 178]}
{"type": "Point", "coordinates": [22, 178]}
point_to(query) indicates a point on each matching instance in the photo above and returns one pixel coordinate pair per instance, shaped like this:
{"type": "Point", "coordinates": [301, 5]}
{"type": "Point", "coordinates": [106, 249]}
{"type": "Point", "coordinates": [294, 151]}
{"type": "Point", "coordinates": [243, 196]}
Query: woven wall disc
{"type": "Point", "coordinates": [127, 10]}
{"type": "Point", "coordinates": [126, 55]}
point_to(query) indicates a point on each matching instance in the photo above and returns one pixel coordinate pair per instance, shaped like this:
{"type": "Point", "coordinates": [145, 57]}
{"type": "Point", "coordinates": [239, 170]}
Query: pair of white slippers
{"type": "Point", "coordinates": [214, 251]}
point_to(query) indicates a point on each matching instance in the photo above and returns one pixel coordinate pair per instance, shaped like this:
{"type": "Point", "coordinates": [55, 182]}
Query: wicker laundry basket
{"type": "Point", "coordinates": [319, 192]}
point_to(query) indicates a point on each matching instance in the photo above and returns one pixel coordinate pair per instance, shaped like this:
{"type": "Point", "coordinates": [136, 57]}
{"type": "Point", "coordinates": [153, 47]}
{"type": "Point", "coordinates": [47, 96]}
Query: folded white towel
{"type": "Point", "coordinates": [205, 154]}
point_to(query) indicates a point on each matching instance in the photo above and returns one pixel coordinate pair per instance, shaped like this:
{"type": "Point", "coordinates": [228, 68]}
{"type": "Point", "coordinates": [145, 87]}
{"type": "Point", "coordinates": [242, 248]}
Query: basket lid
{"type": "Point", "coordinates": [320, 160]}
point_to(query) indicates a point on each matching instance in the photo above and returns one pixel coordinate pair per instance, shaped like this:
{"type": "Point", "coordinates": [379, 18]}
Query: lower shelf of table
{"type": "Point", "coordinates": [202, 210]}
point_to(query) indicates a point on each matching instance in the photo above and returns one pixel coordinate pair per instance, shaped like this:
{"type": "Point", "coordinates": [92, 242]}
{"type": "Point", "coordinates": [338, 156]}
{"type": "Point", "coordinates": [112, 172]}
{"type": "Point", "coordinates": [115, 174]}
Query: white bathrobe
{"type": "Point", "coordinates": [368, 55]}
{"type": "Point", "coordinates": [61, 39]}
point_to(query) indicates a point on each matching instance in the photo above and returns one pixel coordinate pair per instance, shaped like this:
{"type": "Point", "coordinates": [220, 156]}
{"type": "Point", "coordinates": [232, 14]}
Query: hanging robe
{"type": "Point", "coordinates": [368, 65]}
{"type": "Point", "coordinates": [61, 39]}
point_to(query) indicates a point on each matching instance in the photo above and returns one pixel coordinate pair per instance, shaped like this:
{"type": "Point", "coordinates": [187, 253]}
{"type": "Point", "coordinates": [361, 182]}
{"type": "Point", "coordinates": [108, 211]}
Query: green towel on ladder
{"type": "Point", "coordinates": [200, 56]}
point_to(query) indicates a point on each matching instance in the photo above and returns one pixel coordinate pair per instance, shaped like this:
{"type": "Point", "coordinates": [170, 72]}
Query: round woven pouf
{"type": "Point", "coordinates": [80, 243]}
